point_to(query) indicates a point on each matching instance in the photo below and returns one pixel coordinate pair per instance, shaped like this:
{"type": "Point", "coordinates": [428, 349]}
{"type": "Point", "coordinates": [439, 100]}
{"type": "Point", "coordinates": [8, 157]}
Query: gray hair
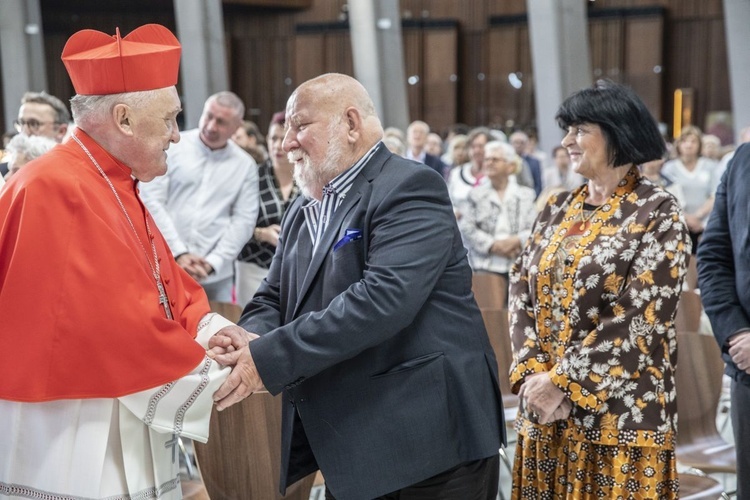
{"type": "Point", "coordinates": [61, 111]}
{"type": "Point", "coordinates": [29, 146]}
{"type": "Point", "coordinates": [506, 150]}
{"type": "Point", "coordinates": [91, 109]}
{"type": "Point", "coordinates": [229, 100]}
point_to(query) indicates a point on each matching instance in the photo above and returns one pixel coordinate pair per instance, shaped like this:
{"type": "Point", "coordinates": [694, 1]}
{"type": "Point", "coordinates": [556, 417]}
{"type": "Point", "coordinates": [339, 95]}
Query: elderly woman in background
{"type": "Point", "coordinates": [499, 213]}
{"type": "Point", "coordinates": [277, 191]}
{"type": "Point", "coordinates": [592, 303]}
{"type": "Point", "coordinates": [697, 176]}
{"type": "Point", "coordinates": [463, 179]}
{"type": "Point", "coordinates": [23, 148]}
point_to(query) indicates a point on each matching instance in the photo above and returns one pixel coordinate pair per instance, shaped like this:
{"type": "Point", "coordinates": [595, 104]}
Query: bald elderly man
{"type": "Point", "coordinates": [367, 322]}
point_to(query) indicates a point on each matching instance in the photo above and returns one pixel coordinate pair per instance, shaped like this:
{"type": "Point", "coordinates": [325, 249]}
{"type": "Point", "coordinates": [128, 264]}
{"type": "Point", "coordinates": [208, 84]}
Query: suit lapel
{"type": "Point", "coordinates": [304, 252]}
{"type": "Point", "coordinates": [328, 239]}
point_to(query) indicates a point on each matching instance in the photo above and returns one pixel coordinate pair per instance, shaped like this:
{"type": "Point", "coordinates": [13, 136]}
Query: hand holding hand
{"type": "Point", "coordinates": [242, 382]}
{"type": "Point", "coordinates": [229, 339]}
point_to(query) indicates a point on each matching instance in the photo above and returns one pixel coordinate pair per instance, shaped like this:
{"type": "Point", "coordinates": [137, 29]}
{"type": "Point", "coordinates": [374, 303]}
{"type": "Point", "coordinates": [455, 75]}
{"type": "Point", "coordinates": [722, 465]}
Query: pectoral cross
{"type": "Point", "coordinates": [173, 443]}
{"type": "Point", "coordinates": [163, 300]}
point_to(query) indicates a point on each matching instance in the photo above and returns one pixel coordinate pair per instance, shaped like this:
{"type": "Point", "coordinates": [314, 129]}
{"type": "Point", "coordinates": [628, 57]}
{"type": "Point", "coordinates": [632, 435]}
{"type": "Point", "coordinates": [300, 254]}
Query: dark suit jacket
{"type": "Point", "coordinates": [436, 164]}
{"type": "Point", "coordinates": [378, 346]}
{"type": "Point", "coordinates": [724, 257]}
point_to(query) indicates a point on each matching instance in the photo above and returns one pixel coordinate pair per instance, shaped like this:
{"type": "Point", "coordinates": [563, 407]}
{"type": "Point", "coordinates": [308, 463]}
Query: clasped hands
{"type": "Point", "coordinates": [196, 266]}
{"type": "Point", "coordinates": [229, 347]}
{"type": "Point", "coordinates": [543, 399]}
{"type": "Point", "coordinates": [509, 247]}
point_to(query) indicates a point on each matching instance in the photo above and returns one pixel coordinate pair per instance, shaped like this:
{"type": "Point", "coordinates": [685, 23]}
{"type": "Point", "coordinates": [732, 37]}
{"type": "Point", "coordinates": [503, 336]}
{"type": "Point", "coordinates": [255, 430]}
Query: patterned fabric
{"type": "Point", "coordinates": [593, 300]}
{"type": "Point", "coordinates": [272, 208]}
{"type": "Point", "coordinates": [565, 467]}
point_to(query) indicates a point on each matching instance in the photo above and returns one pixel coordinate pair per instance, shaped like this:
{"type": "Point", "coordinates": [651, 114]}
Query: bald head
{"type": "Point", "coordinates": [331, 123]}
{"type": "Point", "coordinates": [334, 92]}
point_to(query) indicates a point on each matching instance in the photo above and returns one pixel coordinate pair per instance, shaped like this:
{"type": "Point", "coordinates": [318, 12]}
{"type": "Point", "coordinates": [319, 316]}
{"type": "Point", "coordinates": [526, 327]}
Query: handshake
{"type": "Point", "coordinates": [229, 347]}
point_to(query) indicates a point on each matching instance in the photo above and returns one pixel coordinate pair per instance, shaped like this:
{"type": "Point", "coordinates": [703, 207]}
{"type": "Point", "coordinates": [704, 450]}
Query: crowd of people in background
{"type": "Point", "coordinates": [491, 202]}
{"type": "Point", "coordinates": [690, 170]}
{"type": "Point", "coordinates": [522, 213]}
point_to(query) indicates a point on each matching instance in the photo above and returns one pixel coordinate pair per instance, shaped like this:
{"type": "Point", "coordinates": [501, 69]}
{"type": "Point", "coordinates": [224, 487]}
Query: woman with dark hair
{"type": "Point", "coordinates": [592, 303]}
{"type": "Point", "coordinates": [277, 191]}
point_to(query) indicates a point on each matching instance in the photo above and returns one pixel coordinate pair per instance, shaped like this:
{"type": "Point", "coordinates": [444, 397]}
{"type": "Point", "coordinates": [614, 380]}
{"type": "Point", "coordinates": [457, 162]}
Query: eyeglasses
{"type": "Point", "coordinates": [493, 159]}
{"type": "Point", "coordinates": [33, 124]}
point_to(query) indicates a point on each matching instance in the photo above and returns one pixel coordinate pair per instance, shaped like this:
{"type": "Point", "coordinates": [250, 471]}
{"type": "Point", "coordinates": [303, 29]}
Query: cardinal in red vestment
{"type": "Point", "coordinates": [113, 366]}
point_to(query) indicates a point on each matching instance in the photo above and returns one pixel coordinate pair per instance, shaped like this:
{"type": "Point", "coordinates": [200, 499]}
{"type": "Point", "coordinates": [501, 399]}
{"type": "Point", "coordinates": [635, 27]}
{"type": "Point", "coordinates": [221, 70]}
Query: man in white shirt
{"type": "Point", "coordinates": [207, 204]}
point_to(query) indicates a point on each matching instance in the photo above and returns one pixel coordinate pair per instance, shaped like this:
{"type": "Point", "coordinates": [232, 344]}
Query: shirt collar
{"type": "Point", "coordinates": [343, 182]}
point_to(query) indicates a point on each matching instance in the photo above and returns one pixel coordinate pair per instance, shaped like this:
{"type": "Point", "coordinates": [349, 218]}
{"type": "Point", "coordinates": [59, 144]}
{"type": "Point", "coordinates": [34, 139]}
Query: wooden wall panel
{"type": "Point", "coordinates": [510, 106]}
{"type": "Point", "coordinates": [321, 11]}
{"type": "Point", "coordinates": [414, 71]}
{"type": "Point", "coordinates": [338, 53]}
{"type": "Point", "coordinates": [678, 9]}
{"type": "Point", "coordinates": [506, 7]}
{"type": "Point", "coordinates": [472, 99]}
{"type": "Point", "coordinates": [644, 60]}
{"type": "Point", "coordinates": [719, 96]}
{"type": "Point", "coordinates": [698, 45]}
{"type": "Point", "coordinates": [440, 74]}
{"type": "Point", "coordinates": [269, 57]}
{"type": "Point", "coordinates": [309, 56]}
{"type": "Point", "coordinates": [605, 37]}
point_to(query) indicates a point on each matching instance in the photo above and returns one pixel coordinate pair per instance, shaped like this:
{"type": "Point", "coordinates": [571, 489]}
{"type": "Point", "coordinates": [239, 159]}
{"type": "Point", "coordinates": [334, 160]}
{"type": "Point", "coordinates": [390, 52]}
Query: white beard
{"type": "Point", "coordinates": [310, 178]}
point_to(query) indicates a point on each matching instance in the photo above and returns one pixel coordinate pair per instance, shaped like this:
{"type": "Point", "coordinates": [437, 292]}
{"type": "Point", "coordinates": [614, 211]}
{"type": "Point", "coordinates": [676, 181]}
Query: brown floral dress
{"type": "Point", "coordinates": [593, 300]}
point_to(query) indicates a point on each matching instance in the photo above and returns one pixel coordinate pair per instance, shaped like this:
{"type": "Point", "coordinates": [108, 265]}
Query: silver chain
{"type": "Point", "coordinates": [155, 268]}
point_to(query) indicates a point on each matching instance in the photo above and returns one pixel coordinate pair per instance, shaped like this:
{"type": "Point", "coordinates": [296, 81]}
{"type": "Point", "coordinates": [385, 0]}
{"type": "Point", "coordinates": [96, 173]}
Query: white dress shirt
{"type": "Point", "coordinates": [207, 203]}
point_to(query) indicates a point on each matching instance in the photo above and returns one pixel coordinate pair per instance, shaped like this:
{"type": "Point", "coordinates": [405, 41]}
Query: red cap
{"type": "Point", "coordinates": [99, 64]}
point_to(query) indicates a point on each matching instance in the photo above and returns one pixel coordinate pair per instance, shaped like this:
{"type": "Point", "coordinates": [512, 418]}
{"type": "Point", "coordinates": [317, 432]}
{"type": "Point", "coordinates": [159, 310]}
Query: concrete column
{"type": "Point", "coordinates": [378, 52]}
{"type": "Point", "coordinates": [21, 53]}
{"type": "Point", "coordinates": [736, 19]}
{"type": "Point", "coordinates": [200, 29]}
{"type": "Point", "coordinates": [560, 59]}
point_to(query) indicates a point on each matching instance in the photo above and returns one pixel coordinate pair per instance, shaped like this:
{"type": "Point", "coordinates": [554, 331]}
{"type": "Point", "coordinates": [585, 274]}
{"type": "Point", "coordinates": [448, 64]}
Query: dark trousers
{"type": "Point", "coordinates": [741, 426]}
{"type": "Point", "coordinates": [475, 480]}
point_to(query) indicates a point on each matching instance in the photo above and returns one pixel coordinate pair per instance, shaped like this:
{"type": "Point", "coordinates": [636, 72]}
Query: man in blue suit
{"type": "Point", "coordinates": [367, 322]}
{"type": "Point", "coordinates": [724, 281]}
{"type": "Point", "coordinates": [531, 169]}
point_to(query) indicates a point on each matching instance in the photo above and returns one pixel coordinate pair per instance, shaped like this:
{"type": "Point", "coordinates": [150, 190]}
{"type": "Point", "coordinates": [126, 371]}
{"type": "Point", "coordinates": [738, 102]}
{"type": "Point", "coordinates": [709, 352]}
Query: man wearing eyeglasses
{"type": "Point", "coordinates": [41, 114]}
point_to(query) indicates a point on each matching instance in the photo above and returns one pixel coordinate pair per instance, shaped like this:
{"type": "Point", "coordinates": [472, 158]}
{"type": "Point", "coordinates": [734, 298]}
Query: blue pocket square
{"type": "Point", "coordinates": [349, 235]}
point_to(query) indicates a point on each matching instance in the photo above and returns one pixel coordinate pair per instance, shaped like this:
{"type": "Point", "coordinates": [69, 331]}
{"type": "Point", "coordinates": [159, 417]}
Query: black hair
{"type": "Point", "coordinates": [630, 131]}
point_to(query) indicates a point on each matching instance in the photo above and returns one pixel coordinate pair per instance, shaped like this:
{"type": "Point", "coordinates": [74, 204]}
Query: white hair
{"type": "Point", "coordinates": [92, 109]}
{"type": "Point", "coordinates": [28, 146]}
